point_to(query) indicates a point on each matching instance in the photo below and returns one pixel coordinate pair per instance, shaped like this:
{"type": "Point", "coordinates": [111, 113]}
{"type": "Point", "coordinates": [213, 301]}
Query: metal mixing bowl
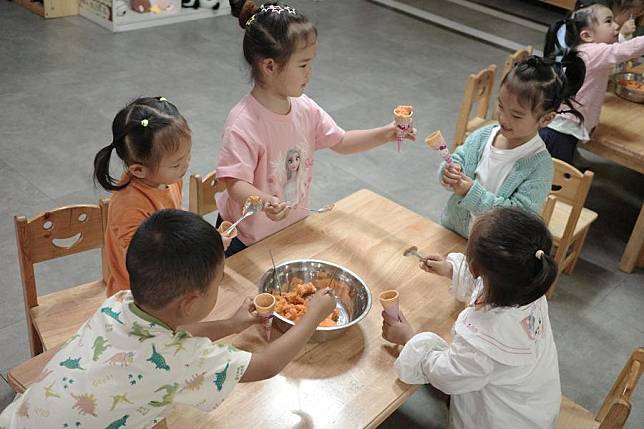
{"type": "Point", "coordinates": [635, 96]}
{"type": "Point", "coordinates": [353, 298]}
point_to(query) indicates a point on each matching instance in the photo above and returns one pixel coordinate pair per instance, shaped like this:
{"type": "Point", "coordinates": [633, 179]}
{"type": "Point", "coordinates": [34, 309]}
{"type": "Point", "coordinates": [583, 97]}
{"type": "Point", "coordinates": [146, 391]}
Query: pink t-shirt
{"type": "Point", "coordinates": [275, 154]}
{"type": "Point", "coordinates": [600, 60]}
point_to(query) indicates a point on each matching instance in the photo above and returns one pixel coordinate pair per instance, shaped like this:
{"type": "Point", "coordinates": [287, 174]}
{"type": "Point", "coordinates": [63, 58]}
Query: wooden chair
{"type": "Point", "coordinates": [616, 407]}
{"type": "Point", "coordinates": [53, 318]}
{"type": "Point", "coordinates": [478, 90]}
{"type": "Point", "coordinates": [566, 216]}
{"type": "Point", "coordinates": [202, 193]}
{"type": "Point", "coordinates": [510, 62]}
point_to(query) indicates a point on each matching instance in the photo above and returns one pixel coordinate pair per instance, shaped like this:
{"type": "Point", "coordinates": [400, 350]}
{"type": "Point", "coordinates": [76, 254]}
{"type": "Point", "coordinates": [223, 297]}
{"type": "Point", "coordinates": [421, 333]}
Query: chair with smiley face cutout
{"type": "Point", "coordinates": [55, 317]}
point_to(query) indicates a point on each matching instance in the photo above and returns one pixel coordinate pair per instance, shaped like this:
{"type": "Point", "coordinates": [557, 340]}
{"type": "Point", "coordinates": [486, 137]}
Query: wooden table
{"type": "Point", "coordinates": [619, 137]}
{"type": "Point", "coordinates": [348, 382]}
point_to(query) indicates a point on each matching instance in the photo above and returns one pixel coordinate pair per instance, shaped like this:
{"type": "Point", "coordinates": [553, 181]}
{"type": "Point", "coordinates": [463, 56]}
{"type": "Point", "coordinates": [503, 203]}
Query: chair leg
{"type": "Point", "coordinates": [35, 344]}
{"type": "Point", "coordinates": [576, 250]}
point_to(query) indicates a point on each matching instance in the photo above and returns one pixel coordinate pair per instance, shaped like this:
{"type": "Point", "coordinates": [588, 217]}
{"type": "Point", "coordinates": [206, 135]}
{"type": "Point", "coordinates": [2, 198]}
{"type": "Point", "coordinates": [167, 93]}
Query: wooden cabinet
{"type": "Point", "coordinates": [51, 8]}
{"type": "Point", "coordinates": [566, 4]}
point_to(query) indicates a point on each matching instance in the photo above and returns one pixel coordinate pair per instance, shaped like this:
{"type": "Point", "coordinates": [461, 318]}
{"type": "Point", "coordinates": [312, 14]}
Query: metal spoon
{"type": "Point", "coordinates": [324, 209]}
{"type": "Point", "coordinates": [250, 208]}
{"type": "Point", "coordinates": [413, 251]}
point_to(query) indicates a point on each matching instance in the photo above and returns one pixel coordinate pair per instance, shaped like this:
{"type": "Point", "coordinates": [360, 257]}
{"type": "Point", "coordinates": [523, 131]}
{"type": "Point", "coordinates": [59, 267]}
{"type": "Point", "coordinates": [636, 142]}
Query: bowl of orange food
{"type": "Point", "coordinates": [294, 282]}
{"type": "Point", "coordinates": [630, 86]}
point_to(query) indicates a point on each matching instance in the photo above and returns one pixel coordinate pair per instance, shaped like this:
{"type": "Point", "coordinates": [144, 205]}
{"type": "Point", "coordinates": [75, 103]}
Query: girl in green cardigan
{"type": "Point", "coordinates": [507, 164]}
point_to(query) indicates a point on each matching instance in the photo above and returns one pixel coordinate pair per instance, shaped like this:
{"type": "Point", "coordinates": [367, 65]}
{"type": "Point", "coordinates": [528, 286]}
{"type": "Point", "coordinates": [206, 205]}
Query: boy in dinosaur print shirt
{"type": "Point", "coordinates": [145, 349]}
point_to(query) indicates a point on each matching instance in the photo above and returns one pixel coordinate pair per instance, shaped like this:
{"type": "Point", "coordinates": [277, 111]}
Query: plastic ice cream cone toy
{"type": "Point", "coordinates": [224, 226]}
{"type": "Point", "coordinates": [436, 141]}
{"type": "Point", "coordinates": [389, 300]}
{"type": "Point", "coordinates": [265, 305]}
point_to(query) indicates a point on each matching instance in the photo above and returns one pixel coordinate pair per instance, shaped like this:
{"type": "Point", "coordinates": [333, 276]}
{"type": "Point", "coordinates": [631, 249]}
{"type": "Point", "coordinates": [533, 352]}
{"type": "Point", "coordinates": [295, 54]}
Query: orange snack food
{"type": "Point", "coordinates": [404, 111]}
{"type": "Point", "coordinates": [633, 85]}
{"type": "Point", "coordinates": [293, 305]}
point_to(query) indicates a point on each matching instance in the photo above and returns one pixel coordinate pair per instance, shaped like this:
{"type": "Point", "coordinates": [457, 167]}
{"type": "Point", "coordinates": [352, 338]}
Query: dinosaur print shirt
{"type": "Point", "coordinates": [125, 369]}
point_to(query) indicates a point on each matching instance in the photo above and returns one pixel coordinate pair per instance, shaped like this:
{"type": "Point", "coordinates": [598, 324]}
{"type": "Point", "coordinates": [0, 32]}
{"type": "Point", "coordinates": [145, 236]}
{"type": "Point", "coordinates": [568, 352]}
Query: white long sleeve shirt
{"type": "Point", "coordinates": [501, 370]}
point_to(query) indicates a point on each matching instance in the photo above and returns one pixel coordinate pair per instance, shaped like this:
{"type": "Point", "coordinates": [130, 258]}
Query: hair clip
{"type": "Point", "coordinates": [290, 10]}
{"type": "Point", "coordinates": [163, 99]}
{"type": "Point", "coordinates": [144, 122]}
{"type": "Point", "coordinates": [251, 20]}
{"type": "Point", "coordinates": [538, 254]}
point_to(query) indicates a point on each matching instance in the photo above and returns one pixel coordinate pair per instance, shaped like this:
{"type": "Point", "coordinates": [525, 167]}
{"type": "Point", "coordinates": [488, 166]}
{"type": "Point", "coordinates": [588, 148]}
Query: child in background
{"type": "Point", "coordinates": [501, 368]}
{"type": "Point", "coordinates": [507, 165]}
{"type": "Point", "coordinates": [154, 142]}
{"type": "Point", "coordinates": [146, 350]}
{"type": "Point", "coordinates": [271, 135]}
{"type": "Point", "coordinates": [592, 31]}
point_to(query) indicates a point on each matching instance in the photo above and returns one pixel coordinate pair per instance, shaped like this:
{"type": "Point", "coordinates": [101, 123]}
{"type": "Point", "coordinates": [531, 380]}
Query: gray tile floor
{"type": "Point", "coordinates": [62, 80]}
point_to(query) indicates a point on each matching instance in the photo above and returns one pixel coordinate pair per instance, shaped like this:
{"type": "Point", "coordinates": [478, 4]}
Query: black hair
{"type": "Point", "coordinates": [173, 252]}
{"type": "Point", "coordinates": [142, 132]}
{"type": "Point", "coordinates": [575, 21]}
{"type": "Point", "coordinates": [504, 245]}
{"type": "Point", "coordinates": [545, 84]}
{"type": "Point", "coordinates": [271, 34]}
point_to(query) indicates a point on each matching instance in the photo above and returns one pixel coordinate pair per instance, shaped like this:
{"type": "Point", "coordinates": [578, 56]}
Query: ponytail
{"type": "Point", "coordinates": [102, 170]}
{"type": "Point", "coordinates": [546, 273]}
{"type": "Point", "coordinates": [565, 33]}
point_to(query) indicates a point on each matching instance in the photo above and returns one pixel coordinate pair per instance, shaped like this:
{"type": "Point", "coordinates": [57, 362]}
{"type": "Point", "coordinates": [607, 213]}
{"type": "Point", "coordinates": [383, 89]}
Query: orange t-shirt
{"type": "Point", "coordinates": [128, 208]}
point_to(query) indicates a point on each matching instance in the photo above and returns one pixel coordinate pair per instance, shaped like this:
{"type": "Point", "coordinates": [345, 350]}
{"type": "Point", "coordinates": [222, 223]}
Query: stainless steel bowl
{"type": "Point", "coordinates": [635, 96]}
{"type": "Point", "coordinates": [353, 298]}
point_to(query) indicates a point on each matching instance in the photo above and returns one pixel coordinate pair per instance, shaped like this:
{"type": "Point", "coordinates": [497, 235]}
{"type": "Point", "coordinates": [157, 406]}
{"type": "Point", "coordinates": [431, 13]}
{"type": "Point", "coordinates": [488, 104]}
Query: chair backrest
{"type": "Point", "coordinates": [617, 406]}
{"type": "Point", "coordinates": [53, 234]}
{"type": "Point", "coordinates": [510, 62]}
{"type": "Point", "coordinates": [570, 186]}
{"type": "Point", "coordinates": [202, 193]}
{"type": "Point", "coordinates": [478, 90]}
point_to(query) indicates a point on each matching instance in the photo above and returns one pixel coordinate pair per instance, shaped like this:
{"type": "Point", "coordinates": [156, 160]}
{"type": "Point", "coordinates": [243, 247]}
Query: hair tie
{"type": "Point", "coordinates": [251, 20]}
{"type": "Point", "coordinates": [144, 122]}
{"type": "Point", "coordinates": [163, 99]}
{"type": "Point", "coordinates": [539, 254]}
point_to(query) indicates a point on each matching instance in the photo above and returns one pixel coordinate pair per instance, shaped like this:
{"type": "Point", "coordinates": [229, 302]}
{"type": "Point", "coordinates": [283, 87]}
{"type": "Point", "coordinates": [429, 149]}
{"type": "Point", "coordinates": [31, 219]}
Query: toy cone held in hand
{"type": "Point", "coordinates": [402, 117]}
{"type": "Point", "coordinates": [436, 141]}
{"type": "Point", "coordinates": [265, 304]}
{"type": "Point", "coordinates": [389, 301]}
{"type": "Point", "coordinates": [224, 226]}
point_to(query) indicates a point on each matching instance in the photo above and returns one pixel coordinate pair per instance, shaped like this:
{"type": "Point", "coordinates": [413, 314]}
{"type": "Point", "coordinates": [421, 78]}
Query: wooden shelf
{"type": "Point", "coordinates": [99, 11]}
{"type": "Point", "coordinates": [565, 4]}
{"type": "Point", "coordinates": [51, 8]}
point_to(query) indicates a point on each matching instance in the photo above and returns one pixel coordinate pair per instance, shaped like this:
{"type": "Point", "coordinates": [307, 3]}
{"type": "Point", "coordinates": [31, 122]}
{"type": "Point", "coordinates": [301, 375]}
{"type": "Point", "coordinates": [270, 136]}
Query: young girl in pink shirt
{"type": "Point", "coordinates": [592, 31]}
{"type": "Point", "coordinates": [271, 135]}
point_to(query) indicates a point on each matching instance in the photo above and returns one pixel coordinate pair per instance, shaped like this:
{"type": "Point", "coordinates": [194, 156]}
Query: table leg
{"type": "Point", "coordinates": [633, 252]}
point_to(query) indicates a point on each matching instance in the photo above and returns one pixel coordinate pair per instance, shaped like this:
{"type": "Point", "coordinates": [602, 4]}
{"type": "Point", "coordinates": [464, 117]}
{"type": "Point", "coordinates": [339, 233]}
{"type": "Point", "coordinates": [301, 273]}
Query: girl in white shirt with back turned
{"type": "Point", "coordinates": [501, 369]}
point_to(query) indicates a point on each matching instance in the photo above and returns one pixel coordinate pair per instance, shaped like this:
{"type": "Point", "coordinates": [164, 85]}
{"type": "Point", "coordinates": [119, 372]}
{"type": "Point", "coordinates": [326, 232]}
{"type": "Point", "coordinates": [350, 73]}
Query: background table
{"type": "Point", "coordinates": [619, 137]}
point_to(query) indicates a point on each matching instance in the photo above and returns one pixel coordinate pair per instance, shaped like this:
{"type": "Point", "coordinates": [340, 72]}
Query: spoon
{"type": "Point", "coordinates": [324, 209]}
{"type": "Point", "coordinates": [251, 206]}
{"type": "Point", "coordinates": [413, 251]}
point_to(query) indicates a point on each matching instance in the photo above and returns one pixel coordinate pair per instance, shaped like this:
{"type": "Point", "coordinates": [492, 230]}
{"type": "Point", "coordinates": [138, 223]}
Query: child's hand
{"type": "Point", "coordinates": [245, 315]}
{"type": "Point", "coordinates": [628, 28]}
{"type": "Point", "coordinates": [462, 187]}
{"type": "Point", "coordinates": [396, 331]}
{"type": "Point", "coordinates": [276, 210]}
{"type": "Point", "coordinates": [392, 132]}
{"type": "Point", "coordinates": [322, 303]}
{"type": "Point", "coordinates": [436, 264]}
{"type": "Point", "coordinates": [451, 175]}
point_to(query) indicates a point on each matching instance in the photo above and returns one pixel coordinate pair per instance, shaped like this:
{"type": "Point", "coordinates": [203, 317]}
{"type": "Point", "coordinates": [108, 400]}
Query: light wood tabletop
{"type": "Point", "coordinates": [348, 382]}
{"type": "Point", "coordinates": [619, 137]}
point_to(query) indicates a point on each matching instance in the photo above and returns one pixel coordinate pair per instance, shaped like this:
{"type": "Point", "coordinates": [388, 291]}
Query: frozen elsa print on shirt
{"type": "Point", "coordinates": [293, 172]}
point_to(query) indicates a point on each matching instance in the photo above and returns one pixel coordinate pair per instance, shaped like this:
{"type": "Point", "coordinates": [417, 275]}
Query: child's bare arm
{"type": "Point", "coordinates": [243, 318]}
{"type": "Point", "coordinates": [270, 361]}
{"type": "Point", "coordinates": [437, 264]}
{"type": "Point", "coordinates": [355, 141]}
{"type": "Point", "coordinates": [240, 190]}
